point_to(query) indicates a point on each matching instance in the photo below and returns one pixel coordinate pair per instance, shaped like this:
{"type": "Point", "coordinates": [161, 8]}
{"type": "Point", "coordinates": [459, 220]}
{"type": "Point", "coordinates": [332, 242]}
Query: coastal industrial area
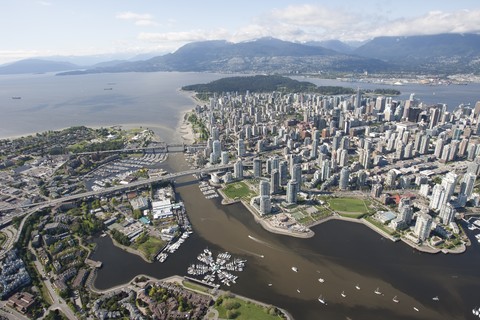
{"type": "Point", "coordinates": [405, 169]}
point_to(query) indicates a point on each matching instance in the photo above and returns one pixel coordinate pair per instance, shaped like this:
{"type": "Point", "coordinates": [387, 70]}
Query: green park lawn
{"type": "Point", "coordinates": [349, 205]}
{"type": "Point", "coordinates": [151, 247]}
{"type": "Point", "coordinates": [246, 310]}
{"type": "Point", "coordinates": [237, 190]}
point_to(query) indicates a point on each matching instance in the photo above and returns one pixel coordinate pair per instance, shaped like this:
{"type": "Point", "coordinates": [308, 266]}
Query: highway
{"type": "Point", "coordinates": [119, 188]}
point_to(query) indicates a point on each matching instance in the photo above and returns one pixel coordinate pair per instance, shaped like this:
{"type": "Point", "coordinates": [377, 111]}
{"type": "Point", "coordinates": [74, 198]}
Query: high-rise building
{"type": "Point", "coordinates": [274, 181]}
{"type": "Point", "coordinates": [376, 190]}
{"type": "Point", "coordinates": [238, 169]}
{"type": "Point", "coordinates": [325, 170]}
{"type": "Point", "coordinates": [297, 172]}
{"type": "Point", "coordinates": [292, 192]}
{"type": "Point", "coordinates": [438, 197]}
{"type": "Point", "coordinates": [438, 148]}
{"type": "Point", "coordinates": [257, 167]}
{"type": "Point", "coordinates": [224, 157]}
{"type": "Point", "coordinates": [264, 188]}
{"type": "Point", "coordinates": [344, 177]}
{"type": "Point", "coordinates": [265, 205]}
{"type": "Point", "coordinates": [241, 151]}
{"type": "Point", "coordinates": [390, 180]}
{"type": "Point", "coordinates": [447, 213]}
{"type": "Point", "coordinates": [449, 182]}
{"type": "Point", "coordinates": [468, 182]}
{"type": "Point", "coordinates": [405, 210]}
{"type": "Point", "coordinates": [423, 226]}
{"type": "Point", "coordinates": [283, 172]}
{"type": "Point", "coordinates": [217, 150]}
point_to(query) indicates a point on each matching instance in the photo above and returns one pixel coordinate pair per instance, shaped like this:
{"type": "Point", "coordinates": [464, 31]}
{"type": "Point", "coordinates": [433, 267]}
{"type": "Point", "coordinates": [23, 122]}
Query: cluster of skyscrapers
{"type": "Point", "coordinates": [310, 142]}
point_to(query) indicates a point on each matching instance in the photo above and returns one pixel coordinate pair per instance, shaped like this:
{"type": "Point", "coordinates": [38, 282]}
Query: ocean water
{"type": "Point", "coordinates": [153, 100]}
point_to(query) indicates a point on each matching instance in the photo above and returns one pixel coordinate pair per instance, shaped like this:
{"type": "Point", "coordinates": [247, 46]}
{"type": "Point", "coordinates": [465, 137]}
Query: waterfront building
{"type": "Point", "coordinates": [264, 188]}
{"type": "Point", "coordinates": [447, 213]}
{"type": "Point", "coordinates": [238, 169]}
{"type": "Point", "coordinates": [468, 182]}
{"type": "Point", "coordinates": [423, 226]}
{"type": "Point", "coordinates": [405, 210]}
{"type": "Point", "coordinates": [265, 205]}
{"type": "Point", "coordinates": [344, 177]}
{"type": "Point", "coordinates": [274, 181]}
{"type": "Point", "coordinates": [292, 192]}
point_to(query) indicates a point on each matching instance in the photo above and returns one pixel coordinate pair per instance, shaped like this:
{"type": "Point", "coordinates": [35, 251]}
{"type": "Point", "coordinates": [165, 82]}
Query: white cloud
{"type": "Point", "coordinates": [140, 19]}
{"type": "Point", "coordinates": [44, 3]}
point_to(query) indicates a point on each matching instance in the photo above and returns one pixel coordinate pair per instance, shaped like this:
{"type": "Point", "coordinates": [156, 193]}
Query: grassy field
{"type": "Point", "coordinates": [380, 225]}
{"type": "Point", "coordinates": [246, 310]}
{"type": "Point", "coordinates": [151, 247]}
{"type": "Point", "coordinates": [237, 190]}
{"type": "Point", "coordinates": [348, 205]}
{"type": "Point", "coordinates": [194, 286]}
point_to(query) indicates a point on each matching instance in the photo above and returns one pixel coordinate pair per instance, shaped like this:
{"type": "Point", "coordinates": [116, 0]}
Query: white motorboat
{"type": "Point", "coordinates": [377, 291]}
{"type": "Point", "coordinates": [357, 287]}
{"type": "Point", "coordinates": [343, 294]}
{"type": "Point", "coordinates": [320, 299]}
{"type": "Point", "coordinates": [395, 299]}
{"type": "Point", "coordinates": [294, 269]}
{"type": "Point", "coordinates": [321, 280]}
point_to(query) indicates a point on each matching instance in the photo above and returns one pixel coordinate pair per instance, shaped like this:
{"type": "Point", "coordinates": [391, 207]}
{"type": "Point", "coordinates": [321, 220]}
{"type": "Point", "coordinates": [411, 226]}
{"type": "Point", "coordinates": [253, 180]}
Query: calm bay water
{"type": "Point", "coordinates": [344, 254]}
{"type": "Point", "coordinates": [50, 102]}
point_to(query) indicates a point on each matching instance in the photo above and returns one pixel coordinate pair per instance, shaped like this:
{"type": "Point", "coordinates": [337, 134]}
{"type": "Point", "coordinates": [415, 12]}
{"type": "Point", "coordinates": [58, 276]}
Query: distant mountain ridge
{"type": "Point", "coordinates": [265, 55]}
{"type": "Point", "coordinates": [457, 53]}
{"type": "Point", "coordinates": [36, 66]}
{"type": "Point", "coordinates": [432, 54]}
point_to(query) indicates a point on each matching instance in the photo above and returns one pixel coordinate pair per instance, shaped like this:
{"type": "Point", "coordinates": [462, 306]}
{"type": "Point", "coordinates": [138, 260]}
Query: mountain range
{"type": "Point", "coordinates": [435, 54]}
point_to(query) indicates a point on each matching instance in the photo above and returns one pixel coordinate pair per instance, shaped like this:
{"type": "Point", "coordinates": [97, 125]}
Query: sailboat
{"type": "Point", "coordinates": [395, 299]}
{"type": "Point", "coordinates": [343, 294]}
{"type": "Point", "coordinates": [377, 291]}
{"type": "Point", "coordinates": [320, 298]}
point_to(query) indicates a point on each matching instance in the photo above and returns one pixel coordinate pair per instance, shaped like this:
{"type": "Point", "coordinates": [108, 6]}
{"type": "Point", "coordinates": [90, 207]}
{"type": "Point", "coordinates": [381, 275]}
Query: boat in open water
{"type": "Point", "coordinates": [377, 291]}
{"type": "Point", "coordinates": [322, 300]}
{"type": "Point", "coordinates": [395, 299]}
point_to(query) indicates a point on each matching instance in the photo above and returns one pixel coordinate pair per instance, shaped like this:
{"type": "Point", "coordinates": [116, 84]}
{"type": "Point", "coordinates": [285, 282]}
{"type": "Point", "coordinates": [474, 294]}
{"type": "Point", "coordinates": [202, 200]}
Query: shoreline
{"type": "Point", "coordinates": [129, 250]}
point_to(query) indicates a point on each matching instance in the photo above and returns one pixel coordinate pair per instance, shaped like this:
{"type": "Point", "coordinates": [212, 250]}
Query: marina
{"type": "Point", "coordinates": [208, 191]}
{"type": "Point", "coordinates": [173, 246]}
{"type": "Point", "coordinates": [217, 269]}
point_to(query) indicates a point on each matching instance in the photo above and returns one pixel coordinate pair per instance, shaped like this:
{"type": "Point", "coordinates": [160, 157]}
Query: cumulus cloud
{"type": "Point", "coordinates": [140, 19]}
{"type": "Point", "coordinates": [316, 22]}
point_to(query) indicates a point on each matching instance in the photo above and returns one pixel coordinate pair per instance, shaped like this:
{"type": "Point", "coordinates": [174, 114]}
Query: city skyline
{"type": "Point", "coordinates": [47, 28]}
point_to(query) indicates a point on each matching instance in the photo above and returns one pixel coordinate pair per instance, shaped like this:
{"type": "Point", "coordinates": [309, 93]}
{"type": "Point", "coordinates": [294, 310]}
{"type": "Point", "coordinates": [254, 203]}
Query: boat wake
{"type": "Point", "coordinates": [261, 242]}
{"type": "Point", "coordinates": [253, 253]}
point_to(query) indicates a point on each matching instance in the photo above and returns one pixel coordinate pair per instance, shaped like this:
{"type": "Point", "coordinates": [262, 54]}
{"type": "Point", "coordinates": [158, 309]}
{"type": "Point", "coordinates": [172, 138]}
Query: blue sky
{"type": "Point", "coordinates": [84, 27]}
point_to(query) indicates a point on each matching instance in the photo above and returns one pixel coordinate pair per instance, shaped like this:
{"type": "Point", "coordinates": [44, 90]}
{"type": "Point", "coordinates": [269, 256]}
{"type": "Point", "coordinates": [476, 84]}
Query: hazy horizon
{"type": "Point", "coordinates": [69, 28]}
